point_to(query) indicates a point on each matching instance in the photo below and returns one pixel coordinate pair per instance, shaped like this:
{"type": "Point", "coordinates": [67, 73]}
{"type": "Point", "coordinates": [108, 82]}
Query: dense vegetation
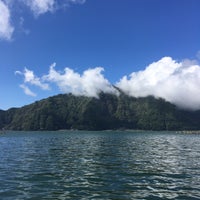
{"type": "Point", "coordinates": [66, 111]}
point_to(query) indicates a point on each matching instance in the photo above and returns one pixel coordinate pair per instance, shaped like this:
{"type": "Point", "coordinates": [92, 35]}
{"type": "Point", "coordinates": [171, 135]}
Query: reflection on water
{"type": "Point", "coordinates": [99, 165]}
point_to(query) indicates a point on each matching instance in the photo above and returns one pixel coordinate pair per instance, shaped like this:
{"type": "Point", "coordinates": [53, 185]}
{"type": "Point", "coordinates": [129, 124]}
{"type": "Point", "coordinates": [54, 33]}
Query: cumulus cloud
{"type": "Point", "coordinates": [90, 83]}
{"type": "Point", "coordinates": [30, 78]}
{"type": "Point", "coordinates": [177, 82]}
{"type": "Point", "coordinates": [6, 29]}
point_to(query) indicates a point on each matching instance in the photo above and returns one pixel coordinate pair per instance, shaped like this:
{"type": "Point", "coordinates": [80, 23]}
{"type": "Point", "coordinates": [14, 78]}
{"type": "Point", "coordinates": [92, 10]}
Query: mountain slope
{"type": "Point", "coordinates": [109, 111]}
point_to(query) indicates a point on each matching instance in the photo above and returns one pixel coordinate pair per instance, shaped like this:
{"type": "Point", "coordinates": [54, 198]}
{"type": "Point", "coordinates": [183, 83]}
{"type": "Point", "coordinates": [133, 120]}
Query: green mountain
{"type": "Point", "coordinates": [66, 111]}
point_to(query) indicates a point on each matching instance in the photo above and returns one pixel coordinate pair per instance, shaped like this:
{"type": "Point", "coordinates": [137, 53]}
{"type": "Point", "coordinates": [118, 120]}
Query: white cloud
{"type": "Point", "coordinates": [90, 83]}
{"type": "Point", "coordinates": [78, 1]}
{"type": "Point", "coordinates": [37, 7]}
{"type": "Point", "coordinates": [27, 91]}
{"type": "Point", "coordinates": [40, 6]}
{"type": "Point", "coordinates": [177, 82]}
{"type": "Point", "coordinates": [6, 29]}
{"type": "Point", "coordinates": [31, 79]}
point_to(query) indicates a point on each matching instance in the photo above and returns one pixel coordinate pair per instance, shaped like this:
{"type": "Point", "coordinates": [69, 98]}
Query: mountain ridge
{"type": "Point", "coordinates": [109, 111]}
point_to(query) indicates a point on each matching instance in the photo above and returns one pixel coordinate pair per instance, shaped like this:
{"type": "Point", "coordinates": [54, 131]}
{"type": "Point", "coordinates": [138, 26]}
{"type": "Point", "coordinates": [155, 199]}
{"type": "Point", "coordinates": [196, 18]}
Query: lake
{"type": "Point", "coordinates": [110, 165]}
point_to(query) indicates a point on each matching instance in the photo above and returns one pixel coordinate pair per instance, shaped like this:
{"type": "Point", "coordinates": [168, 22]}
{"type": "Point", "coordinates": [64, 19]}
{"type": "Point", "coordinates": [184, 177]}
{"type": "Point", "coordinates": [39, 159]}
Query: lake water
{"type": "Point", "coordinates": [110, 165]}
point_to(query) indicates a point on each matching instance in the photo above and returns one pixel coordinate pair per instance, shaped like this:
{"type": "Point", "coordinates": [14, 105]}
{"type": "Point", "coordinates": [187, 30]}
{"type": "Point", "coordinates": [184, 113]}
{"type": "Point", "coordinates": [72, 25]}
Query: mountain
{"type": "Point", "coordinates": [66, 111]}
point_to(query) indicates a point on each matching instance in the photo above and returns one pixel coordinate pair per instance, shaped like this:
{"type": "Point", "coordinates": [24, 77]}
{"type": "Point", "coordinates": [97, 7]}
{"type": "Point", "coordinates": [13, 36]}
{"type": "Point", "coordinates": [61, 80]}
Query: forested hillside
{"type": "Point", "coordinates": [66, 111]}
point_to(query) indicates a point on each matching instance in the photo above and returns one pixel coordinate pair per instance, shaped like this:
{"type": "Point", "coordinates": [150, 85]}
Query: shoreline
{"type": "Point", "coordinates": [108, 130]}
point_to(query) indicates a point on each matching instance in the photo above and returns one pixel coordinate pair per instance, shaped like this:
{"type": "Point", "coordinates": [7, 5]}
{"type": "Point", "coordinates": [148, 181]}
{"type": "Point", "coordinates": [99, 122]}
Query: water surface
{"type": "Point", "coordinates": [109, 165]}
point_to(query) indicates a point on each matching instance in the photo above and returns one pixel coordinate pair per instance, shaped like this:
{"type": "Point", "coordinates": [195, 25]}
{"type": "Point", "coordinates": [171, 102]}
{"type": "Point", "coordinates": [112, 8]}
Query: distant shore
{"type": "Point", "coordinates": [189, 132]}
{"type": "Point", "coordinates": [108, 130]}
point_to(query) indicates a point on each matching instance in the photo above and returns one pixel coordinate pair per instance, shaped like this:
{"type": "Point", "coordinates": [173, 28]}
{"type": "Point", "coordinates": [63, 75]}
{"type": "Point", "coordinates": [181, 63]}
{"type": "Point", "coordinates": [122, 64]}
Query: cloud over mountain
{"type": "Point", "coordinates": [90, 83]}
{"type": "Point", "coordinates": [176, 82]}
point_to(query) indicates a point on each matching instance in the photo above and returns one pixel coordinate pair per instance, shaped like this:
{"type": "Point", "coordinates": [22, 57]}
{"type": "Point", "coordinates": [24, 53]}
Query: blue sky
{"type": "Point", "coordinates": [122, 37]}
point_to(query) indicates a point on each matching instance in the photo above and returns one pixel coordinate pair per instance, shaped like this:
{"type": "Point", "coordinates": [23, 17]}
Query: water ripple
{"type": "Point", "coordinates": [98, 165]}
